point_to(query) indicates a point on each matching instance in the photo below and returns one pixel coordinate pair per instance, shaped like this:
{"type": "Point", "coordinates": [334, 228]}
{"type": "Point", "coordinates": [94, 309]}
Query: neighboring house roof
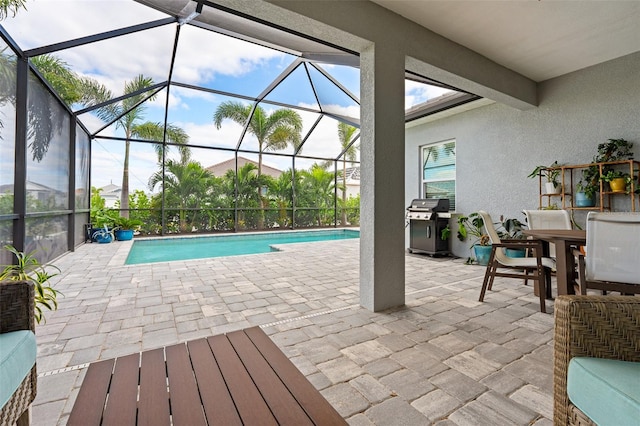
{"type": "Point", "coordinates": [30, 186]}
{"type": "Point", "coordinates": [221, 169]}
{"type": "Point", "coordinates": [110, 190]}
{"type": "Point", "coordinates": [353, 173]}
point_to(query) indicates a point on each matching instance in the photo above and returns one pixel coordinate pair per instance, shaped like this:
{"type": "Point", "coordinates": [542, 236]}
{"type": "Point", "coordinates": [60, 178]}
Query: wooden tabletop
{"type": "Point", "coordinates": [557, 234]}
{"type": "Point", "coordinates": [238, 378]}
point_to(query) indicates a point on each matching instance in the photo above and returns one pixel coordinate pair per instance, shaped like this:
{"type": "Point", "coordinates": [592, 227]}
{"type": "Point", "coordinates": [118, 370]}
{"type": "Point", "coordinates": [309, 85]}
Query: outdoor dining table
{"type": "Point", "coordinates": [565, 241]}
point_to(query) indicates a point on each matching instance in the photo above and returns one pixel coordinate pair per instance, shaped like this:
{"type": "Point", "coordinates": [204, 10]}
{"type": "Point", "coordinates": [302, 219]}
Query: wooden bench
{"type": "Point", "coordinates": [237, 378]}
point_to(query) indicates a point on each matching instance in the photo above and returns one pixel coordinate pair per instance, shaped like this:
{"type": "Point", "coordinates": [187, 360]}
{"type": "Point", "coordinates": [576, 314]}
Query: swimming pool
{"type": "Point", "coordinates": [168, 249]}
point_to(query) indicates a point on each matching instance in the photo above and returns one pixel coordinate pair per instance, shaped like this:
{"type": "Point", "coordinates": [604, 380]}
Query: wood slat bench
{"type": "Point", "coordinates": [239, 378]}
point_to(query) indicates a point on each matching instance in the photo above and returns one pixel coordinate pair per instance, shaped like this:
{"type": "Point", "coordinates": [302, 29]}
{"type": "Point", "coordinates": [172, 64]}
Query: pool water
{"type": "Point", "coordinates": [168, 249]}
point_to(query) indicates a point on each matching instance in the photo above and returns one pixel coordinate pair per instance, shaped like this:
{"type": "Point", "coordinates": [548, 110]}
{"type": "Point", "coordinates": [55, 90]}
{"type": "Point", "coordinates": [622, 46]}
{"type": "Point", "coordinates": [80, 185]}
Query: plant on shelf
{"type": "Point", "coordinates": [28, 268]}
{"type": "Point", "coordinates": [473, 225]}
{"type": "Point", "coordinates": [614, 150]}
{"type": "Point", "coordinates": [551, 174]}
{"type": "Point", "coordinates": [617, 179]}
{"type": "Point", "coordinates": [586, 190]}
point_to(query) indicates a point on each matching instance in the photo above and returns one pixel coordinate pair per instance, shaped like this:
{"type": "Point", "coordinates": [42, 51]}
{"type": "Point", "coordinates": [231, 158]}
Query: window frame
{"type": "Point", "coordinates": [423, 181]}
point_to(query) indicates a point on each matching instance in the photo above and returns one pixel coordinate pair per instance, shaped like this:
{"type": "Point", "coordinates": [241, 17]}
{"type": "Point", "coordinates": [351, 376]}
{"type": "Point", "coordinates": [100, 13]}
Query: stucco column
{"type": "Point", "coordinates": [382, 201]}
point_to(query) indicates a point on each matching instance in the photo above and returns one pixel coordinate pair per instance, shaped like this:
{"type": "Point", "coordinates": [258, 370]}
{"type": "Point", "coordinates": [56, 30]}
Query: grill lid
{"type": "Point", "coordinates": [429, 205]}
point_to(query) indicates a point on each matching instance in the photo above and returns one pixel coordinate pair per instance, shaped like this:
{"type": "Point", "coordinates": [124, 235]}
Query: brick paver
{"type": "Point", "coordinates": [444, 358]}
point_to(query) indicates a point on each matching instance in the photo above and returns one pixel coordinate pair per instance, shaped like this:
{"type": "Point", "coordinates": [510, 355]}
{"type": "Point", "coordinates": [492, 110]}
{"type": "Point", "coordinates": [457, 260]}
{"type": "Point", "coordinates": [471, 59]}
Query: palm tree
{"type": "Point", "coordinates": [273, 131]}
{"type": "Point", "coordinates": [11, 6]}
{"type": "Point", "coordinates": [345, 135]}
{"type": "Point", "coordinates": [128, 115]}
{"type": "Point", "coordinates": [281, 192]}
{"type": "Point", "coordinates": [46, 117]}
{"type": "Point", "coordinates": [242, 187]}
{"type": "Point", "coordinates": [185, 184]}
{"type": "Point", "coordinates": [318, 187]}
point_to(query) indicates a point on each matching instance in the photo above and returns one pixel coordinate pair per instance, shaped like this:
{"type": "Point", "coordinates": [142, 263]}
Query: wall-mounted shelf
{"type": "Point", "coordinates": [604, 198]}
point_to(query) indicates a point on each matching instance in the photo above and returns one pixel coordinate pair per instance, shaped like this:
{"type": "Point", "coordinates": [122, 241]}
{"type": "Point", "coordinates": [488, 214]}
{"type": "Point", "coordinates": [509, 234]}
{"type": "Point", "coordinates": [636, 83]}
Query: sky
{"type": "Point", "coordinates": [203, 59]}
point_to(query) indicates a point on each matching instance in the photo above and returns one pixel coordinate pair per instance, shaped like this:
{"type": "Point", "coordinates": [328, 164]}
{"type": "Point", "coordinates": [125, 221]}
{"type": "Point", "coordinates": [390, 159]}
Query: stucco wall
{"type": "Point", "coordinates": [498, 146]}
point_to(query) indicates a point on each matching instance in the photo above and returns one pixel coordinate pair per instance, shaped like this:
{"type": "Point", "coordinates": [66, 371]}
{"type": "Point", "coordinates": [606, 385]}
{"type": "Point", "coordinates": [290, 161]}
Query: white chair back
{"type": "Point", "coordinates": [548, 219]}
{"type": "Point", "coordinates": [613, 247]}
{"type": "Point", "coordinates": [493, 235]}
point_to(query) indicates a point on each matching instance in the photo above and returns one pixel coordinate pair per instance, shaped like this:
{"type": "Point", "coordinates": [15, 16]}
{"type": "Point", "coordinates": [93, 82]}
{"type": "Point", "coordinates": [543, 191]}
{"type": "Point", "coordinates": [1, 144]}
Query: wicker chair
{"type": "Point", "coordinates": [16, 313]}
{"type": "Point", "coordinates": [592, 326]}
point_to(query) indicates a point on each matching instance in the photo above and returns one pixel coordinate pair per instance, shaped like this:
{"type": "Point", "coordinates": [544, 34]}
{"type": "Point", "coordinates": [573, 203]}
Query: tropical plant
{"type": "Point", "coordinates": [349, 154]}
{"type": "Point", "coordinates": [473, 225]}
{"type": "Point", "coordinates": [281, 193]}
{"type": "Point", "coordinates": [28, 268]}
{"type": "Point", "coordinates": [587, 186]}
{"type": "Point", "coordinates": [103, 234]}
{"type": "Point", "coordinates": [273, 131]}
{"type": "Point", "coordinates": [610, 175]}
{"type": "Point", "coordinates": [318, 187]}
{"type": "Point", "coordinates": [245, 188]}
{"type": "Point", "coordinates": [101, 217]}
{"type": "Point", "coordinates": [550, 173]}
{"type": "Point", "coordinates": [614, 150]}
{"type": "Point", "coordinates": [126, 223]}
{"type": "Point", "coordinates": [128, 115]}
{"type": "Point", "coordinates": [11, 7]}
{"type": "Point", "coordinates": [185, 185]}
{"type": "Point", "coordinates": [511, 228]}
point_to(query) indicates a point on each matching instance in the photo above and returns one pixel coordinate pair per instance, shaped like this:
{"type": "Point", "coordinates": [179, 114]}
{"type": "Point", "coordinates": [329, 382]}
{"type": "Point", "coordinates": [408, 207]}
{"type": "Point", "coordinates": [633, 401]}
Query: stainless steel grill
{"type": "Point", "coordinates": [427, 218]}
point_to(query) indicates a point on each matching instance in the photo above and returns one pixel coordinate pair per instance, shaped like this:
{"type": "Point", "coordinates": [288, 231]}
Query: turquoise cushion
{"type": "Point", "coordinates": [606, 390]}
{"type": "Point", "coordinates": [17, 357]}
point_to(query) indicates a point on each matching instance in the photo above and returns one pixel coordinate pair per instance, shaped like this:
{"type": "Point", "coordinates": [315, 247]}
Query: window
{"type": "Point", "coordinates": [439, 171]}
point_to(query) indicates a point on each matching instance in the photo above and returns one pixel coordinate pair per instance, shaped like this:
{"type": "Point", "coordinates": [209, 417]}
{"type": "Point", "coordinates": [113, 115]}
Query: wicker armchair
{"type": "Point", "coordinates": [16, 313]}
{"type": "Point", "coordinates": [593, 326]}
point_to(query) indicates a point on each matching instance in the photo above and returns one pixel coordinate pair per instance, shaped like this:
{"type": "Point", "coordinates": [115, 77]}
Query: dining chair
{"type": "Point", "coordinates": [612, 259]}
{"type": "Point", "coordinates": [516, 267]}
{"type": "Point", "coordinates": [548, 219]}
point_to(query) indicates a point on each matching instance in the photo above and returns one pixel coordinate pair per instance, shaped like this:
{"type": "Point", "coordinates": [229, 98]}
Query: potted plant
{"type": "Point", "coordinates": [585, 195]}
{"type": "Point", "coordinates": [614, 150]}
{"type": "Point", "coordinates": [28, 268]}
{"type": "Point", "coordinates": [473, 225]}
{"type": "Point", "coordinates": [103, 235]}
{"type": "Point", "coordinates": [125, 227]}
{"type": "Point", "coordinates": [102, 223]}
{"type": "Point", "coordinates": [551, 174]}
{"type": "Point", "coordinates": [511, 229]}
{"type": "Point", "coordinates": [617, 179]}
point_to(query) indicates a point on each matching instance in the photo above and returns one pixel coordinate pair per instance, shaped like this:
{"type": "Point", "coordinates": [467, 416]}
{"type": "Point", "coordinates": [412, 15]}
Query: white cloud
{"type": "Point", "coordinates": [202, 55]}
{"type": "Point", "coordinates": [416, 93]}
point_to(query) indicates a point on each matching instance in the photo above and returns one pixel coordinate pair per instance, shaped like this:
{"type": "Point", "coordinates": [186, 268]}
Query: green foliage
{"type": "Point", "coordinates": [6, 203]}
{"type": "Point", "coordinates": [11, 7]}
{"type": "Point", "coordinates": [57, 72]}
{"type": "Point", "coordinates": [125, 223]}
{"type": "Point", "coordinates": [614, 150]}
{"type": "Point", "coordinates": [511, 228]}
{"type": "Point", "coordinates": [472, 225]}
{"type": "Point", "coordinates": [551, 173]}
{"type": "Point", "coordinates": [101, 217]}
{"type": "Point", "coordinates": [610, 175]}
{"type": "Point", "coordinates": [28, 268]}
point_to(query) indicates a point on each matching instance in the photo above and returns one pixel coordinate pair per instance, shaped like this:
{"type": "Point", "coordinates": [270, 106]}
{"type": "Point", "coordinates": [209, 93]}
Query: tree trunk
{"type": "Point", "coordinates": [344, 193]}
{"type": "Point", "coordinates": [124, 192]}
{"type": "Point", "coordinates": [261, 213]}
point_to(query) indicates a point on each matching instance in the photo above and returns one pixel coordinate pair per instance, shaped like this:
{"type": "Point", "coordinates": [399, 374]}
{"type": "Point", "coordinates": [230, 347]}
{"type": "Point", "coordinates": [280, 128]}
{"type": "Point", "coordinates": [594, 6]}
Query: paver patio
{"type": "Point", "coordinates": [444, 358]}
